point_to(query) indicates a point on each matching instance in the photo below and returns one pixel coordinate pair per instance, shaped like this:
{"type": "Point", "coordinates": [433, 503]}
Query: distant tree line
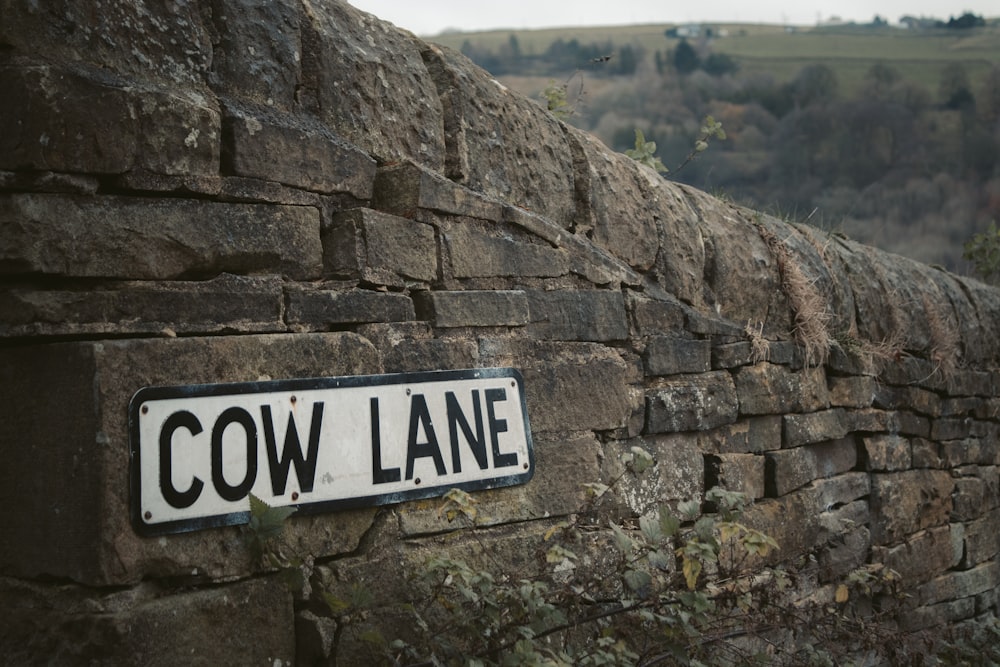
{"type": "Point", "coordinates": [561, 57]}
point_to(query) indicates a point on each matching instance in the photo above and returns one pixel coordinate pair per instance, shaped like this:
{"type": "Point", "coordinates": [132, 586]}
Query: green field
{"type": "Point", "coordinates": [918, 56]}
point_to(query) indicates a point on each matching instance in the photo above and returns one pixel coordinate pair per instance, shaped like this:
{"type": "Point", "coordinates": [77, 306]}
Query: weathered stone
{"type": "Point", "coordinates": [789, 469]}
{"type": "Point", "coordinates": [746, 436]}
{"type": "Point", "coordinates": [921, 557]}
{"type": "Point", "coordinates": [926, 453]}
{"type": "Point", "coordinates": [967, 583]}
{"type": "Point", "coordinates": [167, 43]}
{"type": "Point", "coordinates": [48, 181]}
{"type": "Point", "coordinates": [767, 388]}
{"type": "Point", "coordinates": [936, 615]}
{"type": "Point", "coordinates": [583, 384]}
{"type": "Point", "coordinates": [982, 539]}
{"type": "Point", "coordinates": [58, 120]}
{"type": "Point", "coordinates": [295, 151]}
{"type": "Point", "coordinates": [368, 83]}
{"type": "Point", "coordinates": [887, 453]}
{"type": "Point", "coordinates": [474, 308]}
{"type": "Point", "coordinates": [852, 392]}
{"type": "Point", "coordinates": [736, 472]}
{"type": "Point", "coordinates": [905, 502]}
{"type": "Point", "coordinates": [950, 429]}
{"type": "Point", "coordinates": [227, 303]}
{"type": "Point", "coordinates": [257, 53]}
{"type": "Point", "coordinates": [318, 309]}
{"type": "Point", "coordinates": [248, 622]}
{"type": "Point", "coordinates": [618, 201]}
{"type": "Point", "coordinates": [872, 420]}
{"type": "Point", "coordinates": [919, 400]}
{"type": "Point", "coordinates": [477, 253]}
{"type": "Point", "coordinates": [841, 489]}
{"type": "Point", "coordinates": [155, 239]}
{"type": "Point", "coordinates": [967, 501]}
{"type": "Point", "coordinates": [585, 315]}
{"type": "Point", "coordinates": [844, 554]}
{"type": "Point", "coordinates": [365, 243]}
{"type": "Point", "coordinates": [666, 355]}
{"type": "Point", "coordinates": [741, 270]}
{"type": "Point", "coordinates": [586, 259]}
{"type": "Point", "coordinates": [563, 464]}
{"type": "Point", "coordinates": [678, 473]}
{"type": "Point", "coordinates": [405, 188]}
{"type": "Point", "coordinates": [85, 438]}
{"type": "Point", "coordinates": [792, 520]}
{"type": "Point", "coordinates": [802, 429]}
{"type": "Point", "coordinates": [691, 403]}
{"type": "Point", "coordinates": [963, 452]}
{"type": "Point", "coordinates": [409, 346]}
{"type": "Point", "coordinates": [501, 143]}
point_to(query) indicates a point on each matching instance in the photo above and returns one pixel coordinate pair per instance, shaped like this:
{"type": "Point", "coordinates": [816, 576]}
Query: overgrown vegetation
{"type": "Point", "coordinates": [692, 585]}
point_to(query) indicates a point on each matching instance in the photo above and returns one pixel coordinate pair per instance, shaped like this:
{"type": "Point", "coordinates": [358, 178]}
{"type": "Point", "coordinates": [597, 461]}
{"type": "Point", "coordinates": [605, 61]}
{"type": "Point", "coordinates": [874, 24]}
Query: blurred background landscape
{"type": "Point", "coordinates": [887, 132]}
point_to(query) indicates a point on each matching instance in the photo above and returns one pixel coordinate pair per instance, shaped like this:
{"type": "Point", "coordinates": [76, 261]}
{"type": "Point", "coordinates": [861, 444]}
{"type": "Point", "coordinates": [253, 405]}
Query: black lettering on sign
{"type": "Point", "coordinates": [420, 416]}
{"type": "Point", "coordinates": [291, 453]}
{"type": "Point", "coordinates": [380, 475]}
{"type": "Point", "coordinates": [178, 499]}
{"type": "Point", "coordinates": [498, 426]}
{"type": "Point", "coordinates": [456, 420]}
{"type": "Point", "coordinates": [222, 487]}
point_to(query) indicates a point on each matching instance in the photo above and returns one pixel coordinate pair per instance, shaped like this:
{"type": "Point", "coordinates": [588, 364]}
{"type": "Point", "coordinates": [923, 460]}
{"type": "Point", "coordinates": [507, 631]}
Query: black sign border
{"type": "Point", "coordinates": [304, 384]}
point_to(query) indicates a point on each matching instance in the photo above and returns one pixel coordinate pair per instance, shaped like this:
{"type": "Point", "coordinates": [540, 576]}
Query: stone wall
{"type": "Point", "coordinates": [225, 190]}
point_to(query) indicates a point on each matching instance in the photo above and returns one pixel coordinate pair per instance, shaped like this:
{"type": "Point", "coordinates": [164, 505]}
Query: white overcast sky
{"type": "Point", "coordinates": [430, 17]}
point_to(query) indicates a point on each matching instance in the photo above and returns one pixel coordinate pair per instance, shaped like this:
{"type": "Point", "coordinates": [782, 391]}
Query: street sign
{"type": "Point", "coordinates": [321, 444]}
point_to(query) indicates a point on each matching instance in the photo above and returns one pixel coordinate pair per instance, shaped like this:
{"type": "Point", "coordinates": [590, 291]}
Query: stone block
{"type": "Point", "coordinates": [476, 253]}
{"type": "Point", "coordinates": [666, 355]}
{"type": "Point", "coordinates": [982, 539]}
{"type": "Point", "coordinates": [405, 188]}
{"type": "Point", "coordinates": [563, 464]}
{"type": "Point", "coordinates": [789, 469]}
{"type": "Point", "coordinates": [887, 453]}
{"type": "Point", "coordinates": [155, 239]}
{"type": "Point", "coordinates": [926, 454]}
{"type": "Point", "coordinates": [587, 385]}
{"type": "Point", "coordinates": [368, 83]}
{"type": "Point", "coordinates": [678, 473]}
{"type": "Point", "coordinates": [843, 554]}
{"type": "Point", "coordinates": [691, 403]}
{"type": "Point", "coordinates": [920, 557]}
{"type": "Point", "coordinates": [841, 489]}
{"type": "Point", "coordinates": [58, 119]}
{"type": "Point", "coordinates": [586, 259]}
{"type": "Point", "coordinates": [967, 501]}
{"type": "Point", "coordinates": [583, 315]}
{"type": "Point", "coordinates": [967, 451]}
{"type": "Point", "coordinates": [736, 472]}
{"type": "Point", "coordinates": [963, 584]}
{"type": "Point", "coordinates": [752, 435]}
{"type": "Point", "coordinates": [802, 429]}
{"type": "Point", "coordinates": [950, 429]}
{"type": "Point", "coordinates": [767, 388]}
{"type": "Point", "coordinates": [474, 308]}
{"type": "Point", "coordinates": [872, 420]}
{"type": "Point", "coordinates": [319, 309]}
{"type": "Point", "coordinates": [908, 501]}
{"type": "Point", "coordinates": [75, 427]}
{"type": "Point", "coordinates": [298, 152]}
{"type": "Point", "coordinates": [498, 142]}
{"type": "Point", "coordinates": [915, 399]}
{"type": "Point", "coordinates": [852, 392]}
{"type": "Point", "coordinates": [257, 55]}
{"type": "Point", "coordinates": [364, 243]}
{"type": "Point", "coordinates": [226, 303]}
{"type": "Point", "coordinates": [792, 520]}
{"type": "Point", "coordinates": [248, 622]}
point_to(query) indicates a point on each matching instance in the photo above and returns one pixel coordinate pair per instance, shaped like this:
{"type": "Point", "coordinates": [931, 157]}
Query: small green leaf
{"type": "Point", "coordinates": [637, 580]}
